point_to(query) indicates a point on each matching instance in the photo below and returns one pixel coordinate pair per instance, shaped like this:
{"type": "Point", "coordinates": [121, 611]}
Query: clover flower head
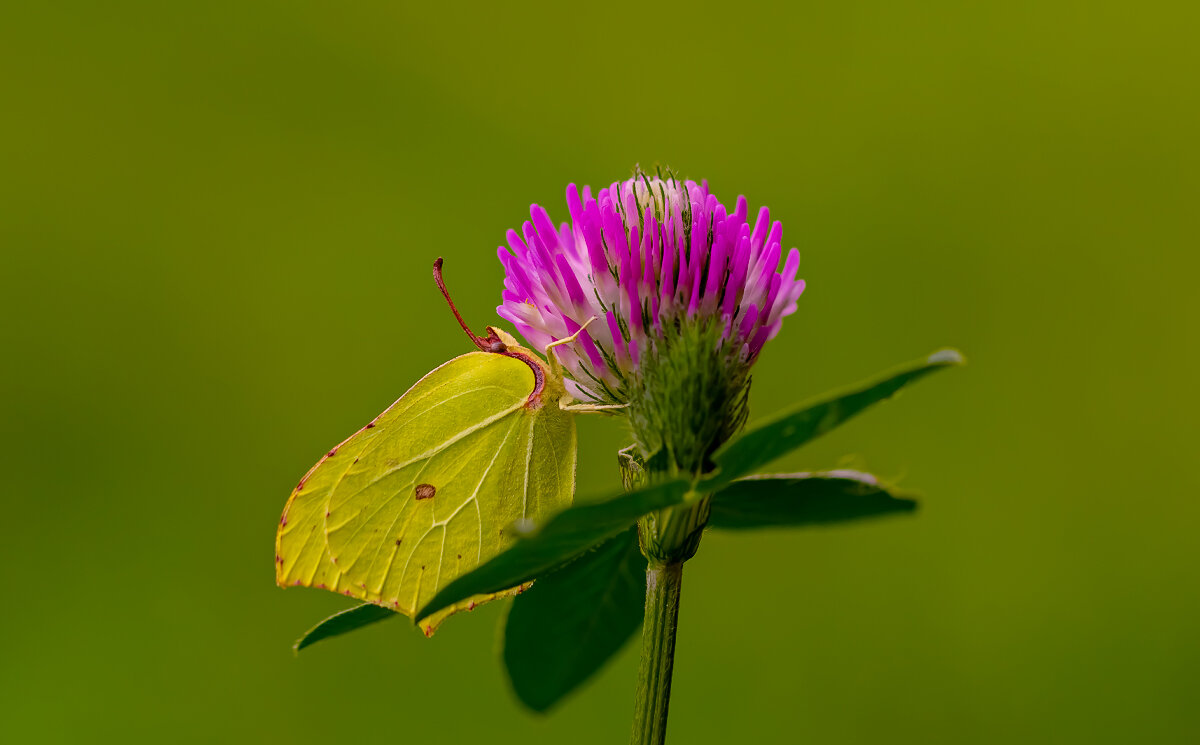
{"type": "Point", "coordinates": [646, 257]}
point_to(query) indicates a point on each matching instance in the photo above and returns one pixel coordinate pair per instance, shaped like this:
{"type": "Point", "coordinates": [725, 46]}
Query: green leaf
{"type": "Point", "coordinates": [564, 628]}
{"type": "Point", "coordinates": [424, 493]}
{"type": "Point", "coordinates": [343, 622]}
{"type": "Point", "coordinates": [803, 499]}
{"type": "Point", "coordinates": [562, 538]}
{"type": "Point", "coordinates": [787, 431]}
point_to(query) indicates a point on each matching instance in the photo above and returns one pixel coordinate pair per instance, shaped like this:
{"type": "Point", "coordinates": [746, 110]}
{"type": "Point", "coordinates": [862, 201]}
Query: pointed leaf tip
{"type": "Point", "coordinates": [524, 528]}
{"type": "Point", "coordinates": [947, 356]}
{"type": "Point", "coordinates": [343, 622]}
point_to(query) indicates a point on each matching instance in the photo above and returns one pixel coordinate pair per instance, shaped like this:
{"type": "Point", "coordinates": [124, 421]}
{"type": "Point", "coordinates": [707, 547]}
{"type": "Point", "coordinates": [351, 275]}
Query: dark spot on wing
{"type": "Point", "coordinates": [425, 491]}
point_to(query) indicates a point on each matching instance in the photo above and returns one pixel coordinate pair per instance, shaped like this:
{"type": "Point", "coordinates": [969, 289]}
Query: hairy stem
{"type": "Point", "coordinates": [658, 654]}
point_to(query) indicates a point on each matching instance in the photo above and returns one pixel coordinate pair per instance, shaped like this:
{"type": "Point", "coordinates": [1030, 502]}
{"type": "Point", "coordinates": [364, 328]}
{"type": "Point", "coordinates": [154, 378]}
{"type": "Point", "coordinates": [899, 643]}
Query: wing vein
{"type": "Point", "coordinates": [423, 456]}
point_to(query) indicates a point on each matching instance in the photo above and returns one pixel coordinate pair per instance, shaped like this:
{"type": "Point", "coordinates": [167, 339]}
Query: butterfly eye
{"type": "Point", "coordinates": [497, 347]}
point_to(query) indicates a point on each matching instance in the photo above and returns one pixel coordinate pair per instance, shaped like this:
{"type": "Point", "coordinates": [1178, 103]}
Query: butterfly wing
{"type": "Point", "coordinates": [425, 492]}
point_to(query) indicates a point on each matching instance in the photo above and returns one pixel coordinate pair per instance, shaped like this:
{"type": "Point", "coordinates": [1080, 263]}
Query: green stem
{"type": "Point", "coordinates": [658, 654]}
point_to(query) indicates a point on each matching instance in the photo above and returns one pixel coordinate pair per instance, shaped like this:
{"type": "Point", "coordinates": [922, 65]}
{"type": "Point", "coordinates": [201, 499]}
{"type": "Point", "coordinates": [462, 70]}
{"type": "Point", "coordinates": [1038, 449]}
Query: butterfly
{"type": "Point", "coordinates": [431, 488]}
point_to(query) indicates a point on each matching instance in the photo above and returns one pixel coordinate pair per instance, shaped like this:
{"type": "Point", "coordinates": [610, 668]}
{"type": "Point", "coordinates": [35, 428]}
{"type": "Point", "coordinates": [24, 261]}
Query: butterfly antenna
{"type": "Point", "coordinates": [489, 343]}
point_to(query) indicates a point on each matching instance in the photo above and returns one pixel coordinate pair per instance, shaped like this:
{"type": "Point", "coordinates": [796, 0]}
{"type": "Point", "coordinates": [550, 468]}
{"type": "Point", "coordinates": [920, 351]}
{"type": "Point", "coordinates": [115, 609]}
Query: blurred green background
{"type": "Point", "coordinates": [217, 222]}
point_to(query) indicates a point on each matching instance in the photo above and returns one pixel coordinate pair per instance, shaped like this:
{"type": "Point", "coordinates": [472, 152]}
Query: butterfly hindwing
{"type": "Point", "coordinates": [425, 492]}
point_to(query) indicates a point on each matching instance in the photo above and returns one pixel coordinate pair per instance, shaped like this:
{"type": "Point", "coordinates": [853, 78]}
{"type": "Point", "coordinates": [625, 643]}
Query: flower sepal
{"type": "Point", "coordinates": [672, 535]}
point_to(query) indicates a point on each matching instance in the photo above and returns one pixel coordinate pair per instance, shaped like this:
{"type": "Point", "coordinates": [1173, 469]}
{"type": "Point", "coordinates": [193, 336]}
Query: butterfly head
{"type": "Point", "coordinates": [499, 340]}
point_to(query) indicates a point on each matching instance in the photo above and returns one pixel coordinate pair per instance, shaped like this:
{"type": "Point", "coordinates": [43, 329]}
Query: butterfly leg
{"type": "Point", "coordinates": [556, 370]}
{"type": "Point", "coordinates": [589, 408]}
{"type": "Point", "coordinates": [555, 365]}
